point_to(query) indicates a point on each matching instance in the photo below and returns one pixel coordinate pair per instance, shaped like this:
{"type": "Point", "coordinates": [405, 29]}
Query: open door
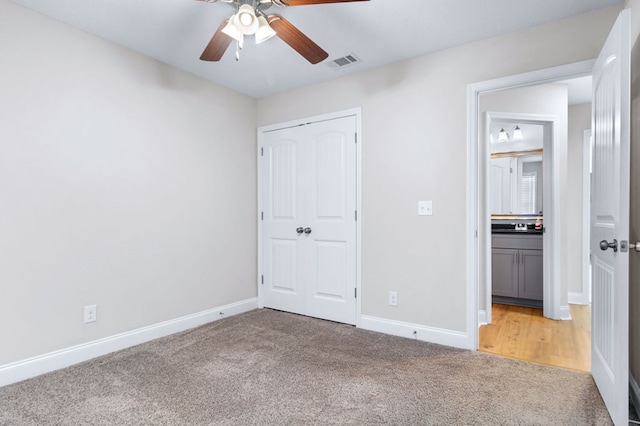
{"type": "Point", "coordinates": [610, 221]}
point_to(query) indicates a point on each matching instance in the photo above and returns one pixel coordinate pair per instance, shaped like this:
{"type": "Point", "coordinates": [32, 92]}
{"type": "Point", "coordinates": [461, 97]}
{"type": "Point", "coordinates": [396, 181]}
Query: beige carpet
{"type": "Point", "coordinates": [272, 368]}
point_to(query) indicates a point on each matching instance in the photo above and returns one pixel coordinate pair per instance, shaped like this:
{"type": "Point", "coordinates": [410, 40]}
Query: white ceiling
{"type": "Point", "coordinates": [379, 32]}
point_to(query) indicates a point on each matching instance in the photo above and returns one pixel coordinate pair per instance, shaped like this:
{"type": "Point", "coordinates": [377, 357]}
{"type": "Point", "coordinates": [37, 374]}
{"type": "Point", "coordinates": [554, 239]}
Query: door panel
{"type": "Point", "coordinates": [610, 221]}
{"type": "Point", "coordinates": [331, 269]}
{"type": "Point", "coordinates": [284, 257]}
{"type": "Point", "coordinates": [283, 181]}
{"type": "Point", "coordinates": [330, 179]}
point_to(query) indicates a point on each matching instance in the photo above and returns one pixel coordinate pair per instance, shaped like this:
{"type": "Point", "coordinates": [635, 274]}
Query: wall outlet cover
{"type": "Point", "coordinates": [425, 208]}
{"type": "Point", "coordinates": [90, 313]}
{"type": "Point", "coordinates": [393, 298]}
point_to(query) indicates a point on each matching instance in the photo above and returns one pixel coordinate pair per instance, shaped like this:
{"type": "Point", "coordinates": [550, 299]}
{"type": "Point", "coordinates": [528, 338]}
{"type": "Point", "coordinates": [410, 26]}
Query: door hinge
{"type": "Point", "coordinates": [356, 212]}
{"type": "Point", "coordinates": [510, 169]}
{"type": "Point", "coordinates": [261, 152]}
{"type": "Point", "coordinates": [355, 293]}
{"type": "Point", "coordinates": [261, 215]}
{"type": "Point", "coordinates": [356, 135]}
{"type": "Point", "coordinates": [262, 279]}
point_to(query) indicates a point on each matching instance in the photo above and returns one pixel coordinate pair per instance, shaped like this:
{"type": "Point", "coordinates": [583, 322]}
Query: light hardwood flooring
{"type": "Point", "coordinates": [523, 333]}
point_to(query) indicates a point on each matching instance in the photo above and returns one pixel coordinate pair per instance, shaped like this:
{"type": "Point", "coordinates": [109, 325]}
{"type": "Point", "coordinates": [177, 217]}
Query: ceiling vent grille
{"type": "Point", "coordinates": [344, 61]}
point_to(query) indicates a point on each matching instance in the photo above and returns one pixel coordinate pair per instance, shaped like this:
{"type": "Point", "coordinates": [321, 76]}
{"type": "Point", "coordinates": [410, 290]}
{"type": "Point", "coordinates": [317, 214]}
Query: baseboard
{"type": "Point", "coordinates": [634, 391]}
{"type": "Point", "coordinates": [440, 336]}
{"type": "Point", "coordinates": [565, 313]}
{"type": "Point", "coordinates": [31, 367]}
{"type": "Point", "coordinates": [576, 299]}
{"type": "Point", "coordinates": [482, 317]}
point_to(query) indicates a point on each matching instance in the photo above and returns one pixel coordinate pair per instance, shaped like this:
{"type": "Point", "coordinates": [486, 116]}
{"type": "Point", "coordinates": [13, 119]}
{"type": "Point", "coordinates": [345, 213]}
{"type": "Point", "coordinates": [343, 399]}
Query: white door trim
{"type": "Point", "coordinates": [586, 218]}
{"type": "Point", "coordinates": [357, 113]}
{"type": "Point", "coordinates": [551, 289]}
{"type": "Point", "coordinates": [474, 91]}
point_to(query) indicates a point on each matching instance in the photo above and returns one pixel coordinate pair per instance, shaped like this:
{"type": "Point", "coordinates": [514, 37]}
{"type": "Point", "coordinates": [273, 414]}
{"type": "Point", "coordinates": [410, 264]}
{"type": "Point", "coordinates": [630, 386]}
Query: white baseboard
{"type": "Point", "coordinates": [565, 313]}
{"type": "Point", "coordinates": [634, 391]}
{"type": "Point", "coordinates": [482, 317]}
{"type": "Point", "coordinates": [577, 299]}
{"type": "Point", "coordinates": [31, 367]}
{"type": "Point", "coordinates": [440, 336]}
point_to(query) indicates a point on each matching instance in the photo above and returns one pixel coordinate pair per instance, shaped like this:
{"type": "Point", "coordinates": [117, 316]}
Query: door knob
{"type": "Point", "coordinates": [626, 246]}
{"type": "Point", "coordinates": [606, 245]}
{"type": "Point", "coordinates": [300, 230]}
{"type": "Point", "coordinates": [307, 231]}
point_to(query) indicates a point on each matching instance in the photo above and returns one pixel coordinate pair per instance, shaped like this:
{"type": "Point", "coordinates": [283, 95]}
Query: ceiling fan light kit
{"type": "Point", "coordinates": [246, 20]}
{"type": "Point", "coordinates": [250, 19]}
{"type": "Point", "coordinates": [264, 32]}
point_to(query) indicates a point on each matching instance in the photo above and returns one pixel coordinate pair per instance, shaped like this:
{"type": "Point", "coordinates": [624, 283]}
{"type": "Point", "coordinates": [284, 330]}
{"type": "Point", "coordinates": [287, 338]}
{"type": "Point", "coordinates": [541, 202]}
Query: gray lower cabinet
{"type": "Point", "coordinates": [530, 278]}
{"type": "Point", "coordinates": [516, 266]}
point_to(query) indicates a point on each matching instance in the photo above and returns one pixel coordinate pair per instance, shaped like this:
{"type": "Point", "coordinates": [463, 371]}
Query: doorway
{"type": "Point", "coordinates": [478, 216]}
{"type": "Point", "coordinates": [519, 191]}
{"type": "Point", "coordinates": [535, 279]}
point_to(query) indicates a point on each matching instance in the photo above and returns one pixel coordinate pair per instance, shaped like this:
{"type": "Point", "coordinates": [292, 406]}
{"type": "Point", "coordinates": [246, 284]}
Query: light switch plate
{"type": "Point", "coordinates": [425, 208]}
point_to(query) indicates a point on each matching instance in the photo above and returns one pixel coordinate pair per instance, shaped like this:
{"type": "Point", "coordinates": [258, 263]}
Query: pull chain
{"type": "Point", "coordinates": [239, 45]}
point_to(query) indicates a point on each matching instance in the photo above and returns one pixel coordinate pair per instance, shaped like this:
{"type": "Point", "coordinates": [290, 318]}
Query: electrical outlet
{"type": "Point", "coordinates": [425, 208]}
{"type": "Point", "coordinates": [393, 298]}
{"type": "Point", "coordinates": [90, 314]}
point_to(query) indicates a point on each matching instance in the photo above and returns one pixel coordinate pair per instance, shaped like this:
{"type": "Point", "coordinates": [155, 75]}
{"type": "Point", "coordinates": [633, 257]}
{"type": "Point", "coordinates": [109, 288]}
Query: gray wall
{"type": "Point", "coordinates": [123, 183]}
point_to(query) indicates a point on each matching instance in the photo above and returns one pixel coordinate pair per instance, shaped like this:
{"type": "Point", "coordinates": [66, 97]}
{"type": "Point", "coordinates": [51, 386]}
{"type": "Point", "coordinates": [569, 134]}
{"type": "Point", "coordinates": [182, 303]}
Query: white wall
{"type": "Point", "coordinates": [414, 148]}
{"type": "Point", "coordinates": [579, 121]}
{"type": "Point", "coordinates": [123, 183]}
{"type": "Point", "coordinates": [544, 99]}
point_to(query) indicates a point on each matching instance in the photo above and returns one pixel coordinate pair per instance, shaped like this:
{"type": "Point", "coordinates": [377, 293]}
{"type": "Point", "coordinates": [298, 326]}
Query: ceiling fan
{"type": "Point", "coordinates": [250, 18]}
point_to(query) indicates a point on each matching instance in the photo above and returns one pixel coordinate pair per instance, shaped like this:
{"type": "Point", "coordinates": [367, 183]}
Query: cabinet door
{"type": "Point", "coordinates": [530, 274]}
{"type": "Point", "coordinates": [504, 272]}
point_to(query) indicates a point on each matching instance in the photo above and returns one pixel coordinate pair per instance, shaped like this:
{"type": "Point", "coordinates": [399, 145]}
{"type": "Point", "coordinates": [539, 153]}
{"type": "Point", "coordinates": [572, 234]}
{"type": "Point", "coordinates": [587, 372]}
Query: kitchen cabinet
{"type": "Point", "coordinates": [517, 269]}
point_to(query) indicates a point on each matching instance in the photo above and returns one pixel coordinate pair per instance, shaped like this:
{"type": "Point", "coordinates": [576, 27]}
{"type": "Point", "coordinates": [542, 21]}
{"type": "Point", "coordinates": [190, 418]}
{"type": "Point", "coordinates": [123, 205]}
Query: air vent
{"type": "Point", "coordinates": [345, 61]}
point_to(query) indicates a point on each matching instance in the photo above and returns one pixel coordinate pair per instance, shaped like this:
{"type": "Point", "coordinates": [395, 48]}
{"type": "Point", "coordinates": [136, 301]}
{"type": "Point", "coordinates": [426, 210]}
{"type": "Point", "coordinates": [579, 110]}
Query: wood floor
{"type": "Point", "coordinates": [523, 333]}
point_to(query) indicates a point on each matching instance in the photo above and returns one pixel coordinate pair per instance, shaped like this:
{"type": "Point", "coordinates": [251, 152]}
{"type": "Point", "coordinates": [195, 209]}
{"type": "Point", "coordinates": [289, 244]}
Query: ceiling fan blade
{"type": "Point", "coordinates": [218, 44]}
{"type": "Point", "coordinates": [297, 40]}
{"type": "Point", "coordinates": [306, 2]}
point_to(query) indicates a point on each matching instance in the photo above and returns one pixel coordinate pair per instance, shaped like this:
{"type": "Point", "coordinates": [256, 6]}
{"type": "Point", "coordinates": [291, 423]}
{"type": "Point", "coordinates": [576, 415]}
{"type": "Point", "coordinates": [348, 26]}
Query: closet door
{"type": "Point", "coordinates": [309, 224]}
{"type": "Point", "coordinates": [282, 217]}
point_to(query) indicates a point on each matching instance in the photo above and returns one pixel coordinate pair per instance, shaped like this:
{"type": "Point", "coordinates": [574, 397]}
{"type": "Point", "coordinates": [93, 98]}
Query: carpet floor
{"type": "Point", "coordinates": [272, 368]}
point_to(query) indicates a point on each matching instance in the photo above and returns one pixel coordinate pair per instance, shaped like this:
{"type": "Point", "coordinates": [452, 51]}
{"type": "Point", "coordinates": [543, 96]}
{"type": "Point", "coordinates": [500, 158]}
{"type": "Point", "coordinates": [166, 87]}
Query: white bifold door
{"type": "Point", "coordinates": [610, 221]}
{"type": "Point", "coordinates": [309, 219]}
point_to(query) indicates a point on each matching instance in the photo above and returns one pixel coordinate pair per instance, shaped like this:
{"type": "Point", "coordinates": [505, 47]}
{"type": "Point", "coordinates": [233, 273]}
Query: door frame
{"type": "Point", "coordinates": [587, 148]}
{"type": "Point", "coordinates": [352, 112]}
{"type": "Point", "coordinates": [551, 285]}
{"type": "Point", "coordinates": [475, 233]}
